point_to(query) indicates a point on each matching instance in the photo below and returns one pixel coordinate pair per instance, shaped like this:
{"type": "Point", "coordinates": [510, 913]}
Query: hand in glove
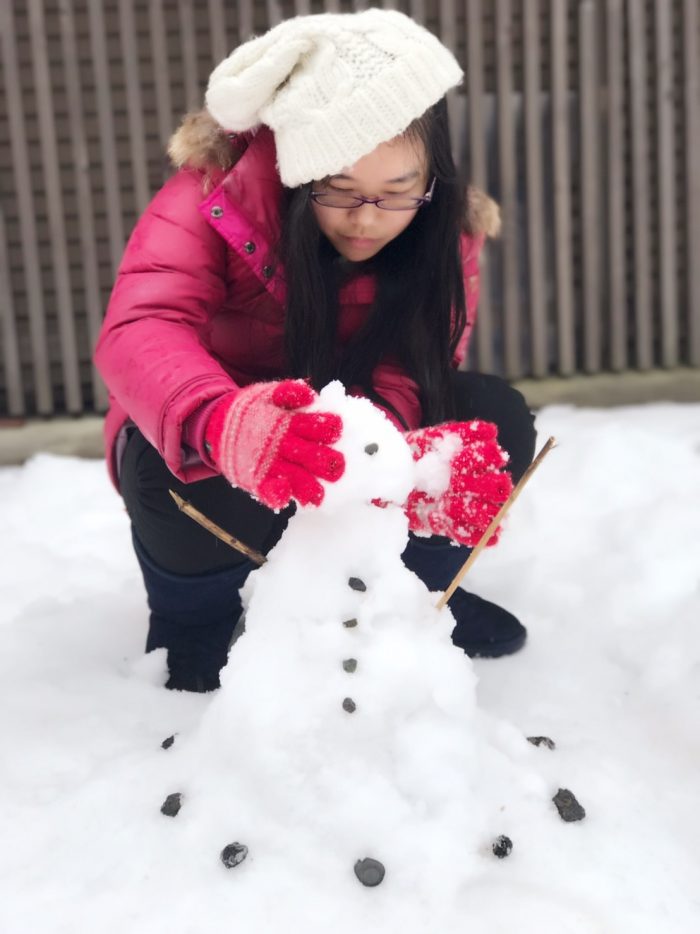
{"type": "Point", "coordinates": [261, 443]}
{"type": "Point", "coordinates": [462, 502]}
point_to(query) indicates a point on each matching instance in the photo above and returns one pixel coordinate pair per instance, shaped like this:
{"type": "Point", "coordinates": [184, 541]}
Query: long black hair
{"type": "Point", "coordinates": [419, 311]}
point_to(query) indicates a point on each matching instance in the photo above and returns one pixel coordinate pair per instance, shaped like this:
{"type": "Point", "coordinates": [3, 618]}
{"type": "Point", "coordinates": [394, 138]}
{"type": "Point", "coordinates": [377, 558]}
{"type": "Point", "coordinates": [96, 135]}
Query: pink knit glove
{"type": "Point", "coordinates": [477, 487]}
{"type": "Point", "coordinates": [261, 444]}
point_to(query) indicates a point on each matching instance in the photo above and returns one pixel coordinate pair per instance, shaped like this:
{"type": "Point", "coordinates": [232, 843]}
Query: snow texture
{"type": "Point", "coordinates": [600, 561]}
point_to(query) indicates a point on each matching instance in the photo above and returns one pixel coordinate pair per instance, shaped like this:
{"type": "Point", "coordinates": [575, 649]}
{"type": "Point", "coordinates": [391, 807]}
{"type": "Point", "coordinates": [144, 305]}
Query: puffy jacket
{"type": "Point", "coordinates": [198, 305]}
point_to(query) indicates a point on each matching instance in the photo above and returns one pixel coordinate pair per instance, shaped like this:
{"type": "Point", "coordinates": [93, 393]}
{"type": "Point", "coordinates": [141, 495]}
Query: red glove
{"type": "Point", "coordinates": [477, 487]}
{"type": "Point", "coordinates": [262, 445]}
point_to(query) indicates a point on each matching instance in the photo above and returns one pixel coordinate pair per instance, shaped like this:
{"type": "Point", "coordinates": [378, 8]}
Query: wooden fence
{"type": "Point", "coordinates": [582, 117]}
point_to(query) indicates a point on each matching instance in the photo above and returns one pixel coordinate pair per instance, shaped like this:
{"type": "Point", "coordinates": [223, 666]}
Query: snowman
{"type": "Point", "coordinates": [344, 742]}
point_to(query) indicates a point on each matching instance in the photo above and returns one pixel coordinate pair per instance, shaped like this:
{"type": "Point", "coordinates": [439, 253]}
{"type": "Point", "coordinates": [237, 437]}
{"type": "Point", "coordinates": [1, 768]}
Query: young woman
{"type": "Point", "coordinates": [316, 229]}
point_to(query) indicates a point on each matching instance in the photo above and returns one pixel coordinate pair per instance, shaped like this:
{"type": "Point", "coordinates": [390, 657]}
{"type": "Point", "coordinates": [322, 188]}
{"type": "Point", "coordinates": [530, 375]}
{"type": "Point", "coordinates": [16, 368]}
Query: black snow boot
{"type": "Point", "coordinates": [193, 617]}
{"type": "Point", "coordinates": [482, 629]}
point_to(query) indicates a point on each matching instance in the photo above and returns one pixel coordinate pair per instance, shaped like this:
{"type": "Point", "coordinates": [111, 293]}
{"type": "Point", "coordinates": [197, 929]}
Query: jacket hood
{"type": "Point", "coordinates": [201, 143]}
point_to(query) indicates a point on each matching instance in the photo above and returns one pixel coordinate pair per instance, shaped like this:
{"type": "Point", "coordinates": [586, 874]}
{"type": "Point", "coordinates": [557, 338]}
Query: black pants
{"type": "Point", "coordinates": [178, 545]}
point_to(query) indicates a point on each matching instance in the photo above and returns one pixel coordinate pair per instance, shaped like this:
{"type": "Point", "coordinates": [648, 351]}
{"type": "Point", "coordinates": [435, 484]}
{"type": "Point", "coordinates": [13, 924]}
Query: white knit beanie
{"type": "Point", "coordinates": [332, 87]}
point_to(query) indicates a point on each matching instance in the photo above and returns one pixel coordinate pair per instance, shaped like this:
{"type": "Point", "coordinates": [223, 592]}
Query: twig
{"type": "Point", "coordinates": [215, 529]}
{"type": "Point", "coordinates": [481, 544]}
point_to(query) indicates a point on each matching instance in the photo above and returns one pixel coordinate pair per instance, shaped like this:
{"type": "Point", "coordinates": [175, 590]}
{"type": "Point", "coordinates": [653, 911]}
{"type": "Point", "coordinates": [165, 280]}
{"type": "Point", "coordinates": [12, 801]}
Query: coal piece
{"type": "Point", "coordinates": [356, 584]}
{"type": "Point", "coordinates": [349, 705]}
{"type": "Point", "coordinates": [542, 741]}
{"type": "Point", "coordinates": [567, 805]}
{"type": "Point", "coordinates": [502, 846]}
{"type": "Point", "coordinates": [370, 872]}
{"type": "Point", "coordinates": [371, 448]}
{"type": "Point", "coordinates": [350, 665]}
{"type": "Point", "coordinates": [167, 743]}
{"type": "Point", "coordinates": [172, 804]}
{"type": "Point", "coordinates": [349, 623]}
{"type": "Point", "coordinates": [233, 854]}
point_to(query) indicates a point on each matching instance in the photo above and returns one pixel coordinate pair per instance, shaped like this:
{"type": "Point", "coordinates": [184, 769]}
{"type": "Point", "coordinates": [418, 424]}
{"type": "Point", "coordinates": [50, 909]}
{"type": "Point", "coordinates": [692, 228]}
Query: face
{"type": "Point", "coordinates": [397, 167]}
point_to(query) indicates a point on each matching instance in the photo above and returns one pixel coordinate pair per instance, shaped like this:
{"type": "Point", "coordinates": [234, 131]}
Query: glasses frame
{"type": "Point", "coordinates": [419, 202]}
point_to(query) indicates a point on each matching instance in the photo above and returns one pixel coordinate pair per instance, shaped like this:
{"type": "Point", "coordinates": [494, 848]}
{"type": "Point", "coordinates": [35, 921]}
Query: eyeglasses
{"type": "Point", "coordinates": [331, 199]}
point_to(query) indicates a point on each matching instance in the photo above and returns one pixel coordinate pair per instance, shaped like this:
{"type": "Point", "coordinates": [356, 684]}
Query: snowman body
{"type": "Point", "coordinates": [345, 724]}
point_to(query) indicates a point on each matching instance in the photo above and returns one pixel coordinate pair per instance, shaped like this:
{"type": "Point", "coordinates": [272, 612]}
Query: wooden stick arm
{"type": "Point", "coordinates": [495, 522]}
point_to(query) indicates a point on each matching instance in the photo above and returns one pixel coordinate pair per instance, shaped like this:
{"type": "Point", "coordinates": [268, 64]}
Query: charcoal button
{"type": "Point", "coordinates": [349, 705]}
{"type": "Point", "coordinates": [233, 854]}
{"type": "Point", "coordinates": [502, 846]}
{"type": "Point", "coordinates": [370, 872]}
{"type": "Point", "coordinates": [371, 448]}
{"type": "Point", "coordinates": [542, 741]}
{"type": "Point", "coordinates": [567, 805]}
{"type": "Point", "coordinates": [172, 804]}
{"type": "Point", "coordinates": [356, 584]}
{"type": "Point", "coordinates": [350, 665]}
{"type": "Point", "coordinates": [349, 623]}
{"type": "Point", "coordinates": [167, 743]}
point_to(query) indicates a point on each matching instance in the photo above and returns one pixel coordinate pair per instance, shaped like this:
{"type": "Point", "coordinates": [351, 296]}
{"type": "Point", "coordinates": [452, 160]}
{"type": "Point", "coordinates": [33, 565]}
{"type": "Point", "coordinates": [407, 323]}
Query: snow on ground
{"type": "Point", "coordinates": [601, 562]}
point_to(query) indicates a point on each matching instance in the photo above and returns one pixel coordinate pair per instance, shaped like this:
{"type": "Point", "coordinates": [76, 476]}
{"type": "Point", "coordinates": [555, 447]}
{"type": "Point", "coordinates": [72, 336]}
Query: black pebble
{"type": "Point", "coordinates": [350, 665]}
{"type": "Point", "coordinates": [349, 705]}
{"type": "Point", "coordinates": [502, 846]}
{"type": "Point", "coordinates": [370, 872]}
{"type": "Point", "coordinates": [567, 805]}
{"type": "Point", "coordinates": [167, 743]}
{"type": "Point", "coordinates": [172, 804]}
{"type": "Point", "coordinates": [356, 584]}
{"type": "Point", "coordinates": [542, 741]}
{"type": "Point", "coordinates": [233, 854]}
{"type": "Point", "coordinates": [349, 623]}
{"type": "Point", "coordinates": [371, 448]}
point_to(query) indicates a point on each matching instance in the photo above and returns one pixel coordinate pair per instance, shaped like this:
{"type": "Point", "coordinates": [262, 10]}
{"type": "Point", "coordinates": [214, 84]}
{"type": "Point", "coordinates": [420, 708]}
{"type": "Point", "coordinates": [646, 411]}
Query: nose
{"type": "Point", "coordinates": [364, 215]}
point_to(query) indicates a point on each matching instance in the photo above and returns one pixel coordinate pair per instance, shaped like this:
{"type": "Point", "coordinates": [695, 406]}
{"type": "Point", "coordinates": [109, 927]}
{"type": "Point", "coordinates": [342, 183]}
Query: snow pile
{"type": "Point", "coordinates": [600, 562]}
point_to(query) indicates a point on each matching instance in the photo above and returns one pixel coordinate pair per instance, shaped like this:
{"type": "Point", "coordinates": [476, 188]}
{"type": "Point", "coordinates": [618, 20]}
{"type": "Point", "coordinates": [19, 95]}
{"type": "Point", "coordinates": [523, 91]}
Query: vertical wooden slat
{"type": "Point", "coordinates": [477, 162]}
{"type": "Point", "coordinates": [533, 170]}
{"type": "Point", "coordinates": [302, 7]}
{"type": "Point", "coordinates": [10, 345]}
{"type": "Point", "coordinates": [27, 218]}
{"type": "Point", "coordinates": [217, 31]}
{"type": "Point", "coordinates": [508, 189]}
{"type": "Point", "coordinates": [455, 101]}
{"type": "Point", "coordinates": [54, 200]}
{"type": "Point", "coordinates": [84, 199]}
{"type": "Point", "coordinates": [274, 12]}
{"type": "Point", "coordinates": [245, 20]}
{"type": "Point", "coordinates": [417, 10]}
{"type": "Point", "coordinates": [161, 71]}
{"type": "Point", "coordinates": [562, 189]}
{"type": "Point", "coordinates": [137, 131]}
{"type": "Point", "coordinates": [641, 214]}
{"type": "Point", "coordinates": [616, 239]}
{"type": "Point", "coordinates": [591, 206]}
{"type": "Point", "coordinates": [691, 94]}
{"type": "Point", "coordinates": [188, 44]}
{"type": "Point", "coordinates": [108, 146]}
{"type": "Point", "coordinates": [667, 182]}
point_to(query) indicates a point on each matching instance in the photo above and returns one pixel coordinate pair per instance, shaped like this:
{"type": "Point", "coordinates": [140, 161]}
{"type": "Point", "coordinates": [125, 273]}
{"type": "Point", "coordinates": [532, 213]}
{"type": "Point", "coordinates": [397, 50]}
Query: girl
{"type": "Point", "coordinates": [315, 229]}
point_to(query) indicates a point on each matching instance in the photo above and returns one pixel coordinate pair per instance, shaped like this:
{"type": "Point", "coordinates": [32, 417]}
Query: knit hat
{"type": "Point", "coordinates": [331, 87]}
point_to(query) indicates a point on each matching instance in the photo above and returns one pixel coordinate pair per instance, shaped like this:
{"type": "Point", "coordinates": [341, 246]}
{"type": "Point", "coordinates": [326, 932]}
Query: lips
{"type": "Point", "coordinates": [360, 243]}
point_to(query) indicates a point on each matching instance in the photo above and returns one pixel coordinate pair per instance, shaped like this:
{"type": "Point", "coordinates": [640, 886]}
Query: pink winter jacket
{"type": "Point", "coordinates": [197, 309]}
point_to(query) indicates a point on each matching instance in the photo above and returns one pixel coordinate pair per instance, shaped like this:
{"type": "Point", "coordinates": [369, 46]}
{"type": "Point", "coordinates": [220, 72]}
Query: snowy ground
{"type": "Point", "coordinates": [601, 561]}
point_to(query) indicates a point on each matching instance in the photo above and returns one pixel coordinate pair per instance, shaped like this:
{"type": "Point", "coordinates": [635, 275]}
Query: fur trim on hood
{"type": "Point", "coordinates": [200, 143]}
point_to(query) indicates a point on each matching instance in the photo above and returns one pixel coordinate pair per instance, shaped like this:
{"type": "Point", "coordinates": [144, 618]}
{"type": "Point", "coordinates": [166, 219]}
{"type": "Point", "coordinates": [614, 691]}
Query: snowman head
{"type": "Point", "coordinates": [378, 462]}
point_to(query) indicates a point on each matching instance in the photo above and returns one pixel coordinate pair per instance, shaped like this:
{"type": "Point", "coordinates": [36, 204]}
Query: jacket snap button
{"type": "Point", "coordinates": [267, 271]}
{"type": "Point", "coordinates": [216, 211]}
{"type": "Point", "coordinates": [249, 247]}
